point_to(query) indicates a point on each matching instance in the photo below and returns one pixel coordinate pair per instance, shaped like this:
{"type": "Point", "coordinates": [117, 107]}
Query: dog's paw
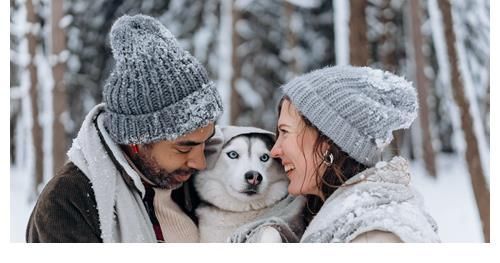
{"type": "Point", "coordinates": [270, 235]}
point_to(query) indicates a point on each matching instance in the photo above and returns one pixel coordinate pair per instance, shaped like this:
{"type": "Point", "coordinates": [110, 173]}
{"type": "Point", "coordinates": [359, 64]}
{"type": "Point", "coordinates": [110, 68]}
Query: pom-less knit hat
{"type": "Point", "coordinates": [358, 108]}
{"type": "Point", "coordinates": [157, 91]}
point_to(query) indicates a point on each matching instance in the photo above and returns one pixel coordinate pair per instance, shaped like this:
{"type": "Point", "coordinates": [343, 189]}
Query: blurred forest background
{"type": "Point", "coordinates": [60, 59]}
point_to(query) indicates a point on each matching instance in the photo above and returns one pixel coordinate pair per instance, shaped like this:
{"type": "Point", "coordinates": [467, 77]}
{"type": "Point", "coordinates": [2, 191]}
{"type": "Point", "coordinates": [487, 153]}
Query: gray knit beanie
{"type": "Point", "coordinates": [156, 91]}
{"type": "Point", "coordinates": [358, 108]}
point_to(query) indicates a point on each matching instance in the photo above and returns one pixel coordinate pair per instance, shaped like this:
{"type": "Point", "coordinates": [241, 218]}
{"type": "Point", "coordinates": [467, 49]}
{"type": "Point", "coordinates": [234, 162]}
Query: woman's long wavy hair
{"type": "Point", "coordinates": [343, 168]}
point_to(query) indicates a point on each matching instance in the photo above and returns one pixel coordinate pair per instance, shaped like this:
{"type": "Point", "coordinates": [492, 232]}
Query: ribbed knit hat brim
{"type": "Point", "coordinates": [196, 110]}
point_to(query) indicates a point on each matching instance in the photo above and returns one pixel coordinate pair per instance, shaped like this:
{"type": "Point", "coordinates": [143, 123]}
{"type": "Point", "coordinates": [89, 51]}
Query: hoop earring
{"type": "Point", "coordinates": [328, 158]}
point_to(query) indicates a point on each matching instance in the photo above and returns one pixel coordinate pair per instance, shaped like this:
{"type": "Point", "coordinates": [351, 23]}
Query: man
{"type": "Point", "coordinates": [135, 149]}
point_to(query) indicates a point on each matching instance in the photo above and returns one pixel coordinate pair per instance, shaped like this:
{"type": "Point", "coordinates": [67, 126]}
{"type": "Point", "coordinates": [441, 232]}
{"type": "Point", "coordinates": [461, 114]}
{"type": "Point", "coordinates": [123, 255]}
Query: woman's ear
{"type": "Point", "coordinates": [325, 146]}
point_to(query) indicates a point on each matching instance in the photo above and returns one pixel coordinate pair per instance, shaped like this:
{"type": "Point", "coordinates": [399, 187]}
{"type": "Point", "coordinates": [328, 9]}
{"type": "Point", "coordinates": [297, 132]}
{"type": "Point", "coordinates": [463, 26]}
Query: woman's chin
{"type": "Point", "coordinates": [293, 191]}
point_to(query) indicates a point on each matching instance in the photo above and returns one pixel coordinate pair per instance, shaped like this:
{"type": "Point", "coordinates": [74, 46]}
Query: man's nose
{"type": "Point", "coordinates": [197, 160]}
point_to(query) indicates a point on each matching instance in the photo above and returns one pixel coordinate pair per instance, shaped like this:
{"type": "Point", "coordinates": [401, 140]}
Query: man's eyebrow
{"type": "Point", "coordinates": [283, 125]}
{"type": "Point", "coordinates": [211, 135]}
{"type": "Point", "coordinates": [194, 143]}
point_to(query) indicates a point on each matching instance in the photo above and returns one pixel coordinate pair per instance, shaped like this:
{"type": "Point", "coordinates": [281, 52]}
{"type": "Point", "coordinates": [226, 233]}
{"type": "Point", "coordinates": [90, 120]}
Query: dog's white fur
{"type": "Point", "coordinates": [221, 187]}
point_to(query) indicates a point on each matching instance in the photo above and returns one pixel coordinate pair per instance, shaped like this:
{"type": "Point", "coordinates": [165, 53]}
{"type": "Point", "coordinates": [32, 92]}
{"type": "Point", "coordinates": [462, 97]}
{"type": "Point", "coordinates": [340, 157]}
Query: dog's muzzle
{"type": "Point", "coordinates": [253, 180]}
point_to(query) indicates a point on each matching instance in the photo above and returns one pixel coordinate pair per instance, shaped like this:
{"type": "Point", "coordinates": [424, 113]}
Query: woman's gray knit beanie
{"type": "Point", "coordinates": [156, 91]}
{"type": "Point", "coordinates": [358, 108]}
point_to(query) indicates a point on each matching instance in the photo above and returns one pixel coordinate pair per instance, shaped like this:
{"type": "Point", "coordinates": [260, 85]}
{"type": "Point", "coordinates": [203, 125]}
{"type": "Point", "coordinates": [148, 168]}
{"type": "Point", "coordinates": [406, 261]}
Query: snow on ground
{"type": "Point", "coordinates": [20, 204]}
{"type": "Point", "coordinates": [448, 198]}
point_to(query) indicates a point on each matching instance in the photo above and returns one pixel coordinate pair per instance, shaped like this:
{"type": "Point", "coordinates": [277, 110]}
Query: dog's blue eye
{"type": "Point", "coordinates": [264, 157]}
{"type": "Point", "coordinates": [232, 154]}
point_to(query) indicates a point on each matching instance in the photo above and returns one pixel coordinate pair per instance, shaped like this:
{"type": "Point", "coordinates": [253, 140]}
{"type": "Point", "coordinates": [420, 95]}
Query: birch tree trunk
{"type": "Point", "coordinates": [225, 70]}
{"type": "Point", "coordinates": [291, 39]}
{"type": "Point", "coordinates": [487, 106]}
{"type": "Point", "coordinates": [472, 153]}
{"type": "Point", "coordinates": [32, 37]}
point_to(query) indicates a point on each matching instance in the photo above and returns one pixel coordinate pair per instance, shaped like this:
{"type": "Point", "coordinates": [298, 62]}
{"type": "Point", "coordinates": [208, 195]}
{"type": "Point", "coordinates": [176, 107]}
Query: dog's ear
{"type": "Point", "coordinates": [213, 147]}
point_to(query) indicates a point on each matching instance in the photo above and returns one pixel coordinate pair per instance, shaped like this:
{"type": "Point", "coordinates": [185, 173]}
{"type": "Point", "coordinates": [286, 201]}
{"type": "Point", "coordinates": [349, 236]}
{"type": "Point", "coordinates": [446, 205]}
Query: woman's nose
{"type": "Point", "coordinates": [276, 151]}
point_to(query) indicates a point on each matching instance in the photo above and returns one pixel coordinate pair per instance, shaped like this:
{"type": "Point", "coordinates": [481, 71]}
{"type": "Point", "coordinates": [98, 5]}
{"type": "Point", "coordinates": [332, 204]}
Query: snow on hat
{"type": "Point", "coordinates": [156, 91]}
{"type": "Point", "coordinates": [358, 108]}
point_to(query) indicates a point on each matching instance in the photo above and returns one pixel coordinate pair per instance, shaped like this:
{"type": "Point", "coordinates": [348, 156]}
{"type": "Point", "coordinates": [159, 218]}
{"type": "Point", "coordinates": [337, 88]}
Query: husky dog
{"type": "Point", "coordinates": [241, 182]}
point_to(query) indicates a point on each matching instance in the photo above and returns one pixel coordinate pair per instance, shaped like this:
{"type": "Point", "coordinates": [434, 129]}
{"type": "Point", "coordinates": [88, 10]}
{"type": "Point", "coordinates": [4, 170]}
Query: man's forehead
{"type": "Point", "coordinates": [205, 131]}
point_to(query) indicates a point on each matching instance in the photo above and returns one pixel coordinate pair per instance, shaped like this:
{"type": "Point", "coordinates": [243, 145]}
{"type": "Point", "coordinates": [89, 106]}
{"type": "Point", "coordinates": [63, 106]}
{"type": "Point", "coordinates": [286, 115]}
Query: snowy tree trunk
{"type": "Point", "coordinates": [341, 22]}
{"type": "Point", "coordinates": [471, 86]}
{"type": "Point", "coordinates": [422, 83]}
{"type": "Point", "coordinates": [59, 92]}
{"type": "Point", "coordinates": [14, 116]}
{"type": "Point", "coordinates": [444, 87]}
{"type": "Point", "coordinates": [358, 41]}
{"type": "Point", "coordinates": [389, 59]}
{"type": "Point", "coordinates": [236, 65]}
{"type": "Point", "coordinates": [387, 42]}
{"type": "Point", "coordinates": [14, 81]}
{"type": "Point", "coordinates": [14, 102]}
{"type": "Point", "coordinates": [486, 117]}
{"type": "Point", "coordinates": [472, 153]}
{"type": "Point", "coordinates": [225, 57]}
{"type": "Point", "coordinates": [291, 39]}
{"type": "Point", "coordinates": [32, 36]}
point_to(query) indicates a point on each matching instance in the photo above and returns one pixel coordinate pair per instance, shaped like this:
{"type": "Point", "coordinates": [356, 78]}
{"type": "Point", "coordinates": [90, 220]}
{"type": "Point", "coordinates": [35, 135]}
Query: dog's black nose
{"type": "Point", "coordinates": [253, 177]}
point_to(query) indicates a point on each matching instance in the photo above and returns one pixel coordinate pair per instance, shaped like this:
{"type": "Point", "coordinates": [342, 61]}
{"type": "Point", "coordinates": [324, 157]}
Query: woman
{"type": "Point", "coordinates": [333, 125]}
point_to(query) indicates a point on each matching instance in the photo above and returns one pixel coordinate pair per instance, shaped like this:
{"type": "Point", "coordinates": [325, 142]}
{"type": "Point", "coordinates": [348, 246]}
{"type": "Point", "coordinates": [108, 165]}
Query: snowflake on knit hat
{"type": "Point", "coordinates": [397, 93]}
{"type": "Point", "coordinates": [386, 81]}
{"type": "Point", "coordinates": [382, 143]}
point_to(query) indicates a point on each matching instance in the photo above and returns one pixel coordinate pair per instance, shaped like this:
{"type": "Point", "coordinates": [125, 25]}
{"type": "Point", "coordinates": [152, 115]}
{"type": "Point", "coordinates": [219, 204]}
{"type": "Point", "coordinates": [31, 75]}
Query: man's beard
{"type": "Point", "coordinates": [159, 176]}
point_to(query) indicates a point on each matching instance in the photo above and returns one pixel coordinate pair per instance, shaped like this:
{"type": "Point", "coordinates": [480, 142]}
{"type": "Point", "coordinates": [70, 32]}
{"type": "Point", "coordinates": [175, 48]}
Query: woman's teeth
{"type": "Point", "coordinates": [289, 167]}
